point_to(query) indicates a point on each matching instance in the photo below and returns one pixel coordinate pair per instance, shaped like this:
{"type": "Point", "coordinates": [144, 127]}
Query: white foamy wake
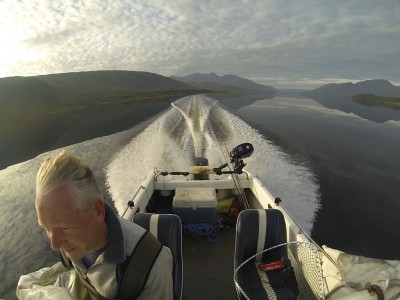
{"type": "Point", "coordinates": [196, 126]}
{"type": "Point", "coordinates": [170, 142]}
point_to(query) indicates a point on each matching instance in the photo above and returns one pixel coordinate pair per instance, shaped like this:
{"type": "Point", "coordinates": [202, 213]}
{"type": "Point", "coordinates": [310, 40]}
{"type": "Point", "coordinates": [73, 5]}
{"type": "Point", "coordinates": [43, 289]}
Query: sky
{"type": "Point", "coordinates": [273, 42]}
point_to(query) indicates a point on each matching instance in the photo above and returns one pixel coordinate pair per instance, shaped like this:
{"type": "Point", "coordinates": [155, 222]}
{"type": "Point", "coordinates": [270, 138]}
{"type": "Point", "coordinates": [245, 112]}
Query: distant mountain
{"type": "Point", "coordinates": [342, 97]}
{"type": "Point", "coordinates": [123, 81]}
{"type": "Point", "coordinates": [226, 80]}
{"type": "Point", "coordinates": [378, 87]}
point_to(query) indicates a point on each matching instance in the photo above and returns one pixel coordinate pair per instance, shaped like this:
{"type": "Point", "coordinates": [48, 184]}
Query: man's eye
{"type": "Point", "coordinates": [43, 228]}
{"type": "Point", "coordinates": [45, 232]}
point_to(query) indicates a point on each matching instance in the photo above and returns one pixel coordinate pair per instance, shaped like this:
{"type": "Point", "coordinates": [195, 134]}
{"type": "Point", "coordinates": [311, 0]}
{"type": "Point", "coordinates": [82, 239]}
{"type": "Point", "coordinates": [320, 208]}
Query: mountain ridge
{"type": "Point", "coordinates": [343, 96]}
{"type": "Point", "coordinates": [225, 80]}
{"type": "Point", "coordinates": [46, 112]}
{"type": "Point", "coordinates": [378, 87]}
{"type": "Point", "coordinates": [78, 86]}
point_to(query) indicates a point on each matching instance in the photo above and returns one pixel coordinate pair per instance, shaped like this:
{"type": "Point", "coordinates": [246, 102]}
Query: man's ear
{"type": "Point", "coordinates": [100, 209]}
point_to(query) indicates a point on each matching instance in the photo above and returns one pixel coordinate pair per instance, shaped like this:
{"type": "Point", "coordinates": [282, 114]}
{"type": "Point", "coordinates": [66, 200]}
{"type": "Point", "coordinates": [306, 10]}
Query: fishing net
{"type": "Point", "coordinates": [306, 261]}
{"type": "Point", "coordinates": [300, 277]}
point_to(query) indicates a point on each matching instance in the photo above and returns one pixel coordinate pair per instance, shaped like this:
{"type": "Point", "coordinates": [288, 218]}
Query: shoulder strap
{"type": "Point", "coordinates": [134, 272]}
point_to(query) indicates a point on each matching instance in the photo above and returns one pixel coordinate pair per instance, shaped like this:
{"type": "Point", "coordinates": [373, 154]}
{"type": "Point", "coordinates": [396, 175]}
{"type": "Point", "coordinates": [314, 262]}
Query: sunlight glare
{"type": "Point", "coordinates": [15, 52]}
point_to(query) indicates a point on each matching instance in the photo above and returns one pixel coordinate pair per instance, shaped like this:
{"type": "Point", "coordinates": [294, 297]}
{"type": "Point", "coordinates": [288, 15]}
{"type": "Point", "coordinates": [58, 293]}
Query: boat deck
{"type": "Point", "coordinates": [208, 267]}
{"type": "Point", "coordinates": [207, 263]}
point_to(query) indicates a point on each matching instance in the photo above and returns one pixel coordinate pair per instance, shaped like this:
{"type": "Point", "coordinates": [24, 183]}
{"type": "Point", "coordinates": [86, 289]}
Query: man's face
{"type": "Point", "coordinates": [69, 229]}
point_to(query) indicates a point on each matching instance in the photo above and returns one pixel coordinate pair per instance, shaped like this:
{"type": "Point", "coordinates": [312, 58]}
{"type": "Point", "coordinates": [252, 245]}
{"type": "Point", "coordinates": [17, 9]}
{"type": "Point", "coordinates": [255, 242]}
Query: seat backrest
{"type": "Point", "coordinates": [167, 228]}
{"type": "Point", "coordinates": [259, 229]}
{"type": "Point", "coordinates": [201, 161]}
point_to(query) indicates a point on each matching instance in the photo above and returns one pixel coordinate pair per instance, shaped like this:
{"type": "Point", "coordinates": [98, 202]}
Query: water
{"type": "Point", "coordinates": [193, 126]}
{"type": "Point", "coordinates": [196, 126]}
{"type": "Point", "coordinates": [357, 165]}
{"type": "Point", "coordinates": [337, 173]}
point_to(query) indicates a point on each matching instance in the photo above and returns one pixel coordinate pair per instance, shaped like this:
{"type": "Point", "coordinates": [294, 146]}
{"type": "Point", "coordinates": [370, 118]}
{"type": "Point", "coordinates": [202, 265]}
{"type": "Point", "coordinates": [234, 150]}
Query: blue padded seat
{"type": "Point", "coordinates": [167, 228]}
{"type": "Point", "coordinates": [257, 230]}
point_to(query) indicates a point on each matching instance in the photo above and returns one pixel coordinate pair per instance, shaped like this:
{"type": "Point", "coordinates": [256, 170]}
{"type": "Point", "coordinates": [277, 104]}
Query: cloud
{"type": "Point", "coordinates": [291, 39]}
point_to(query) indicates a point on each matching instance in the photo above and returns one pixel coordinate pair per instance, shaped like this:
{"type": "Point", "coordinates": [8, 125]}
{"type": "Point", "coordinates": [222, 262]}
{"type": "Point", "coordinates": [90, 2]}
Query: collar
{"type": "Point", "coordinates": [115, 249]}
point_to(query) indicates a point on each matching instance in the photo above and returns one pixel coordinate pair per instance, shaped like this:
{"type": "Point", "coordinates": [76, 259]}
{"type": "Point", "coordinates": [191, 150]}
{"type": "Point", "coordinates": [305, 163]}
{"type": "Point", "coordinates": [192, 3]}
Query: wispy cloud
{"type": "Point", "coordinates": [293, 39]}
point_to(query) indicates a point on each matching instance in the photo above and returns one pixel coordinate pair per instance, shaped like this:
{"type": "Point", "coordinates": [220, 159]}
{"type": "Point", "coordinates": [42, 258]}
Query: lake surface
{"type": "Point", "coordinates": [354, 165]}
{"type": "Point", "coordinates": [357, 163]}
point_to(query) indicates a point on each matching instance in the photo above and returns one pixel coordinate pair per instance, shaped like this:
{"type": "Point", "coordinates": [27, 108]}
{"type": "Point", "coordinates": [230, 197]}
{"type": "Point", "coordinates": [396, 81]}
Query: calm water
{"type": "Point", "coordinates": [355, 166]}
{"type": "Point", "coordinates": [357, 163]}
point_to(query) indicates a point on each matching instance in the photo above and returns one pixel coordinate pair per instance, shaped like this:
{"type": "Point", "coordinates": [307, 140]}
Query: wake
{"type": "Point", "coordinates": [196, 126]}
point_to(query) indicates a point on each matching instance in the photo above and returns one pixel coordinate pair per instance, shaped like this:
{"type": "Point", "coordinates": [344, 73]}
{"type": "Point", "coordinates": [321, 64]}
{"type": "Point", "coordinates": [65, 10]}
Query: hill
{"type": "Point", "coordinates": [232, 85]}
{"type": "Point", "coordinates": [26, 91]}
{"type": "Point", "coordinates": [41, 113]}
{"type": "Point", "coordinates": [372, 100]}
{"type": "Point", "coordinates": [378, 87]}
{"type": "Point", "coordinates": [345, 97]}
{"type": "Point", "coordinates": [75, 87]}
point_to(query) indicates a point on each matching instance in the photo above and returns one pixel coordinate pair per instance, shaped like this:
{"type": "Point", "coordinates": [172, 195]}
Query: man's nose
{"type": "Point", "coordinates": [56, 238]}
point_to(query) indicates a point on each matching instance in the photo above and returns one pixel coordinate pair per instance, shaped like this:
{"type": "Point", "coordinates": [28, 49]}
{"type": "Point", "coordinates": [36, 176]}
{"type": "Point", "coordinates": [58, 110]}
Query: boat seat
{"type": "Point", "coordinates": [167, 228]}
{"type": "Point", "coordinates": [257, 230]}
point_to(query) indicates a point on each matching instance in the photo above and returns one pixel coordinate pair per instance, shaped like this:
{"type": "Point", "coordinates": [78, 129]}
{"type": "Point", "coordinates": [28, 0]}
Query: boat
{"type": "Point", "coordinates": [230, 236]}
{"type": "Point", "coordinates": [237, 240]}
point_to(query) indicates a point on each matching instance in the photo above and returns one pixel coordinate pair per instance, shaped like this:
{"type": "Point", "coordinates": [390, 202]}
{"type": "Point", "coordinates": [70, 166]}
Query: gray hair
{"type": "Point", "coordinates": [66, 168]}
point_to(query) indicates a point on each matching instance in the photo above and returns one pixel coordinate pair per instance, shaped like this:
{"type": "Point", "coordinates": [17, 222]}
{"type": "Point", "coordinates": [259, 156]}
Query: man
{"type": "Point", "coordinates": [85, 229]}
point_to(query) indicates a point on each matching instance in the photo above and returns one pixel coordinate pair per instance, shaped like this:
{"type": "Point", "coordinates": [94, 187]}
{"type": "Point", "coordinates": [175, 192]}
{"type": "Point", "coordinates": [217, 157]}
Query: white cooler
{"type": "Point", "coordinates": [195, 205]}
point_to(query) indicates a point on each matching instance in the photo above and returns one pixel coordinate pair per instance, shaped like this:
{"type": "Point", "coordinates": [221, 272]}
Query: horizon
{"type": "Point", "coordinates": [278, 83]}
{"type": "Point", "coordinates": [290, 45]}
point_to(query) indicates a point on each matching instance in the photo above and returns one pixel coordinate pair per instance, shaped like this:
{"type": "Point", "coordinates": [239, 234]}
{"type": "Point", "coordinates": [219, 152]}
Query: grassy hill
{"type": "Point", "coordinates": [372, 100]}
{"type": "Point", "coordinates": [82, 86]}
